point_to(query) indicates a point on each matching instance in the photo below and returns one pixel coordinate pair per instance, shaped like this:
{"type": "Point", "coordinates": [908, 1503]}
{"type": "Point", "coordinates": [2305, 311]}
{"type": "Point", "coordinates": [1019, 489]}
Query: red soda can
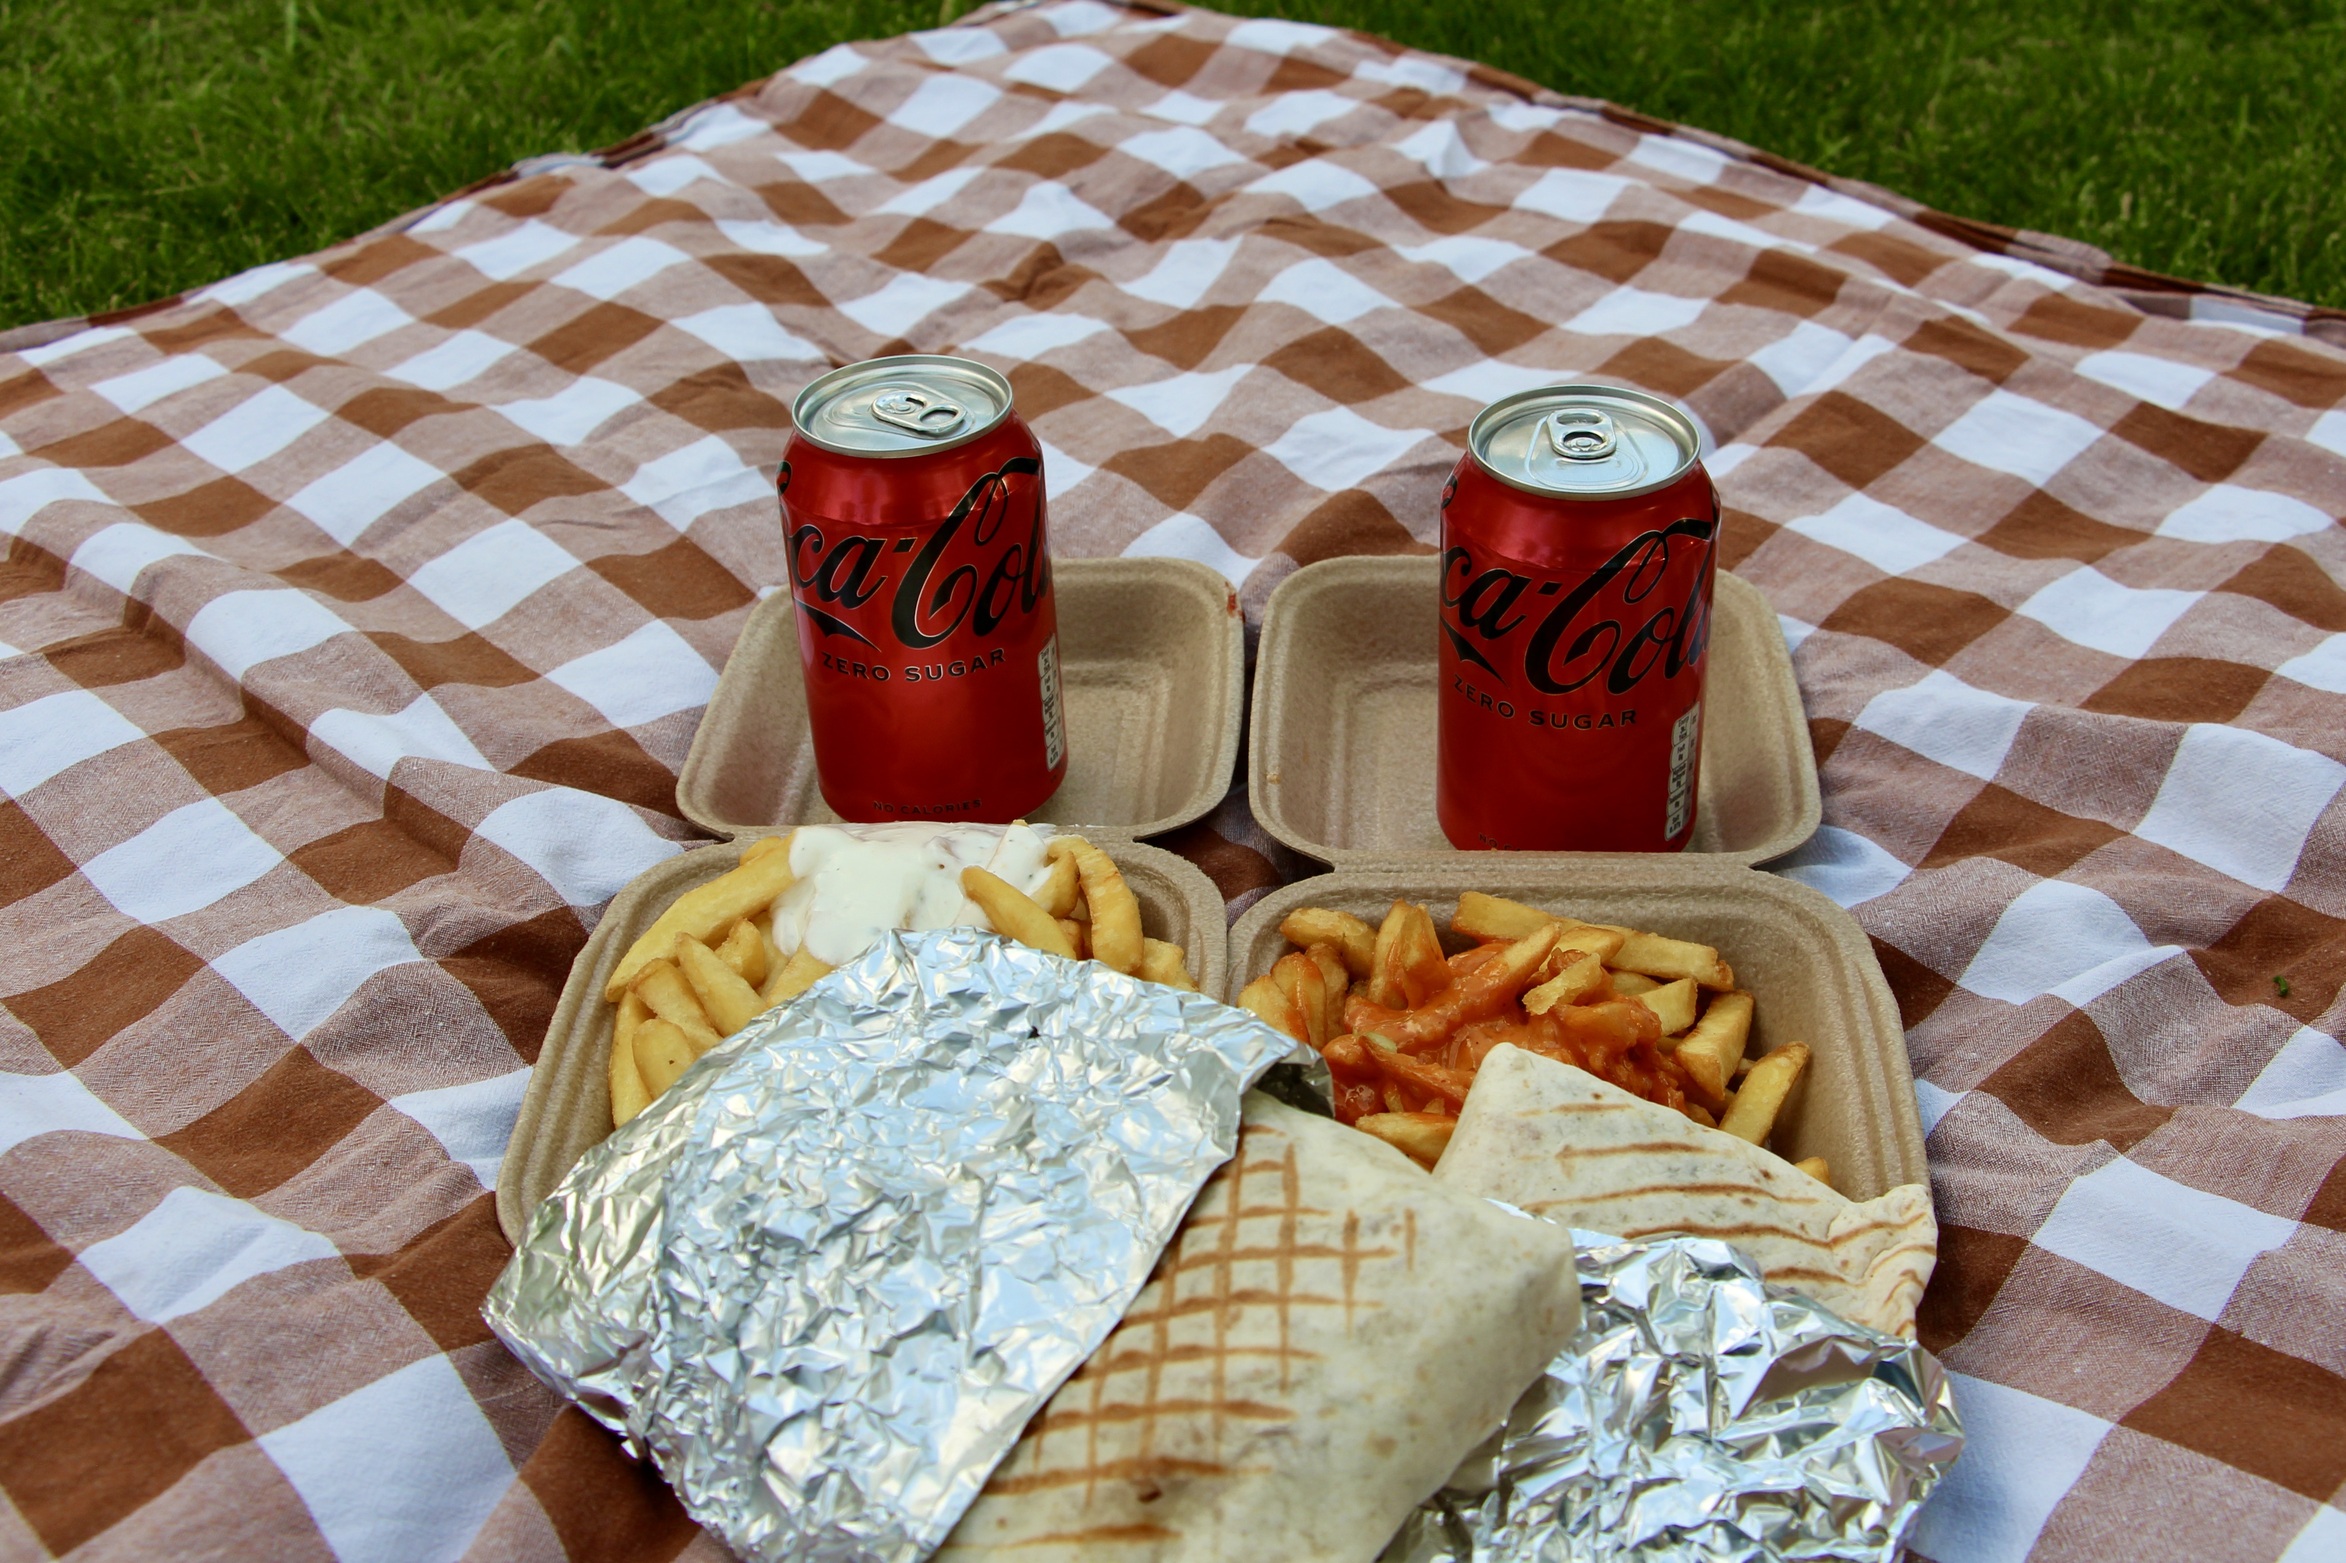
{"type": "Point", "coordinates": [1579, 546]}
{"type": "Point", "coordinates": [913, 515]}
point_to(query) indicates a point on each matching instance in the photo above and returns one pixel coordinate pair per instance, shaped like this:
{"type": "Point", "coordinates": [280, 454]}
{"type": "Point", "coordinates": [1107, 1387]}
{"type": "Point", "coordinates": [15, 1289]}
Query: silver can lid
{"type": "Point", "coordinates": [908, 405]}
{"type": "Point", "coordinates": [1584, 441]}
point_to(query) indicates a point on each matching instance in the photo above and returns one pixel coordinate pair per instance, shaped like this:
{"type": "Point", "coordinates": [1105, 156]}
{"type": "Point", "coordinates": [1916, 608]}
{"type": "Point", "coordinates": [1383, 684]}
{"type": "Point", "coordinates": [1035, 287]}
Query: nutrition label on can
{"type": "Point", "coordinates": [1054, 729]}
{"type": "Point", "coordinates": [1683, 738]}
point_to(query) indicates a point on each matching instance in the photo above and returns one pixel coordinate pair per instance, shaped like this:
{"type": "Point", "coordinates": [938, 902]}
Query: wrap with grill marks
{"type": "Point", "coordinates": [1329, 1333]}
{"type": "Point", "coordinates": [1560, 1143]}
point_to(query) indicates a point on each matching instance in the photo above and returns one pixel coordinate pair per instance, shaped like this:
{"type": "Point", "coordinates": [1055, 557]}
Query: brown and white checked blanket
{"type": "Point", "coordinates": [358, 610]}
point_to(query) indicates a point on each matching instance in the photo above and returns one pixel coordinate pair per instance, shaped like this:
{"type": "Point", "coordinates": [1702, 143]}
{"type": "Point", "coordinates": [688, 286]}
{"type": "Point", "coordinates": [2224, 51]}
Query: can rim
{"type": "Point", "coordinates": [1668, 413]}
{"type": "Point", "coordinates": [825, 383]}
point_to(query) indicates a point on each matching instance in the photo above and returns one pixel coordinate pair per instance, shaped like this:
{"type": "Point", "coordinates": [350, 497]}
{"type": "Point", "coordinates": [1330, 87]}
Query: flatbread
{"type": "Point", "coordinates": [1558, 1142]}
{"type": "Point", "coordinates": [1328, 1334]}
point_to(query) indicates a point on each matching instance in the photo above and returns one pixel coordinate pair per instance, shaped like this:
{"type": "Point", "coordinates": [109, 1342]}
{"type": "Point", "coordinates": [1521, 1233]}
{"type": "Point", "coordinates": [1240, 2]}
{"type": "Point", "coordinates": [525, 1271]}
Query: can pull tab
{"type": "Point", "coordinates": [1582, 434]}
{"type": "Point", "coordinates": [918, 411]}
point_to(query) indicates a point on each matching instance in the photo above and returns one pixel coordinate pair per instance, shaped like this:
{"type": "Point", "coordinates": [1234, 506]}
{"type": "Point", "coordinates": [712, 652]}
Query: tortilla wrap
{"type": "Point", "coordinates": [1328, 1334]}
{"type": "Point", "coordinates": [1558, 1142]}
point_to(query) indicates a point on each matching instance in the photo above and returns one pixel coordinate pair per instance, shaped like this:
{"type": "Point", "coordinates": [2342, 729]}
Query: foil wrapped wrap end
{"type": "Point", "coordinates": [1701, 1416]}
{"type": "Point", "coordinates": [826, 1278]}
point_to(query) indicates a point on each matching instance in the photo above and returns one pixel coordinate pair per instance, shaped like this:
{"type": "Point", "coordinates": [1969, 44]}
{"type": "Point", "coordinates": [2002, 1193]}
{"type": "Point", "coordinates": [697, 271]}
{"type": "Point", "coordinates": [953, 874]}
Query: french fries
{"type": "Point", "coordinates": [709, 964]}
{"type": "Point", "coordinates": [1062, 893]}
{"type": "Point", "coordinates": [1299, 979]}
{"type": "Point", "coordinates": [1355, 940]}
{"type": "Point", "coordinates": [1672, 1004]}
{"type": "Point", "coordinates": [709, 911]}
{"type": "Point", "coordinates": [1487, 919]}
{"type": "Point", "coordinates": [1267, 1001]}
{"type": "Point", "coordinates": [664, 990]}
{"type": "Point", "coordinates": [1403, 1028]}
{"type": "Point", "coordinates": [661, 1054]}
{"type": "Point", "coordinates": [1014, 914]}
{"type": "Point", "coordinates": [745, 950]}
{"type": "Point", "coordinates": [1422, 1137]}
{"type": "Point", "coordinates": [1335, 982]}
{"type": "Point", "coordinates": [1711, 1051]}
{"type": "Point", "coordinates": [801, 972]}
{"type": "Point", "coordinates": [727, 1001]}
{"type": "Point", "coordinates": [1444, 1089]}
{"type": "Point", "coordinates": [1582, 975]}
{"type": "Point", "coordinates": [1670, 959]}
{"type": "Point", "coordinates": [1752, 1112]}
{"type": "Point", "coordinates": [1165, 963]}
{"type": "Point", "coordinates": [1481, 992]}
{"type": "Point", "coordinates": [1115, 913]}
{"type": "Point", "coordinates": [628, 1093]}
{"type": "Point", "coordinates": [1405, 964]}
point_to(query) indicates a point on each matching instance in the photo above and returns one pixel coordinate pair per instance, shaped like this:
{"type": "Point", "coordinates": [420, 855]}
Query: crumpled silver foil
{"type": "Point", "coordinates": [828, 1276]}
{"type": "Point", "coordinates": [1701, 1416]}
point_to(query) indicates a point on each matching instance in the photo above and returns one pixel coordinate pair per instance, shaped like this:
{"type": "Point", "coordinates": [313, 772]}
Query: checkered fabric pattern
{"type": "Point", "coordinates": [357, 612]}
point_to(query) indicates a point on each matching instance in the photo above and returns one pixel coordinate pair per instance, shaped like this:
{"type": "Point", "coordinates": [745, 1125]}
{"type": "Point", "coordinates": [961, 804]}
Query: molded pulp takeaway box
{"type": "Point", "coordinates": [1341, 768]}
{"type": "Point", "coordinates": [1809, 966]}
{"type": "Point", "coordinates": [1153, 663]}
{"type": "Point", "coordinates": [1341, 761]}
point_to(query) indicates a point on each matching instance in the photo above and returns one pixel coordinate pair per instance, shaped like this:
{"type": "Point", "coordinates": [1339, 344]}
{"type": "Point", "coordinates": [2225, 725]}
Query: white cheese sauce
{"type": "Point", "coordinates": [852, 883]}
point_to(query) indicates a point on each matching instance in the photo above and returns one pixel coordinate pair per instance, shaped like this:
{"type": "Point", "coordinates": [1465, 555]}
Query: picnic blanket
{"type": "Point", "coordinates": [358, 611]}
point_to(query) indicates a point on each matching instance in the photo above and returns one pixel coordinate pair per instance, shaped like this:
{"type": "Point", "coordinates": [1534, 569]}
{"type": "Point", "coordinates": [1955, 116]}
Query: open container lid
{"type": "Point", "coordinates": [1152, 657]}
{"type": "Point", "coordinates": [1340, 763]}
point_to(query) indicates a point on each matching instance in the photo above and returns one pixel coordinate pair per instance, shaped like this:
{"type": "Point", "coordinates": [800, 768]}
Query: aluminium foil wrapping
{"type": "Point", "coordinates": [826, 1278]}
{"type": "Point", "coordinates": [1701, 1416]}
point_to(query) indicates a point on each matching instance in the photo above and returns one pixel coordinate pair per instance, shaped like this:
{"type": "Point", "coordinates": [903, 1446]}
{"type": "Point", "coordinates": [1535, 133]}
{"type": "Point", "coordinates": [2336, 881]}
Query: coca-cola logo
{"type": "Point", "coordinates": [837, 575]}
{"type": "Point", "coordinates": [1609, 625]}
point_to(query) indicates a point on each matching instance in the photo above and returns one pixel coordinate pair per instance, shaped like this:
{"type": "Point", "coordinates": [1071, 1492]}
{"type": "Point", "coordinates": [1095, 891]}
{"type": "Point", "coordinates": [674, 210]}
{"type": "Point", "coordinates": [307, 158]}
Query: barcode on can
{"type": "Point", "coordinates": [1054, 730]}
{"type": "Point", "coordinates": [1683, 739]}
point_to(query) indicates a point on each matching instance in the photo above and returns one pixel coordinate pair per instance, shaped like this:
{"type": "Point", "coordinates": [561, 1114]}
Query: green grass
{"type": "Point", "coordinates": [2203, 138]}
{"type": "Point", "coordinates": [155, 148]}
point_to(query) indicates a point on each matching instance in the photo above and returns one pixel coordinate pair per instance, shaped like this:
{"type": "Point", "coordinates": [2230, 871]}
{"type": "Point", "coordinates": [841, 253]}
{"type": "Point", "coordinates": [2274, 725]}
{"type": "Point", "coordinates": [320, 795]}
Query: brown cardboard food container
{"type": "Point", "coordinates": [1153, 664]}
{"type": "Point", "coordinates": [1805, 961]}
{"type": "Point", "coordinates": [1341, 761]}
{"type": "Point", "coordinates": [567, 1106]}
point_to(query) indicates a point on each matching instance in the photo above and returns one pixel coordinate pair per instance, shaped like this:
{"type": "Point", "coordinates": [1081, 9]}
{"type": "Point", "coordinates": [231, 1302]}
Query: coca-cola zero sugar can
{"type": "Point", "coordinates": [1579, 546]}
{"type": "Point", "coordinates": [913, 517]}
